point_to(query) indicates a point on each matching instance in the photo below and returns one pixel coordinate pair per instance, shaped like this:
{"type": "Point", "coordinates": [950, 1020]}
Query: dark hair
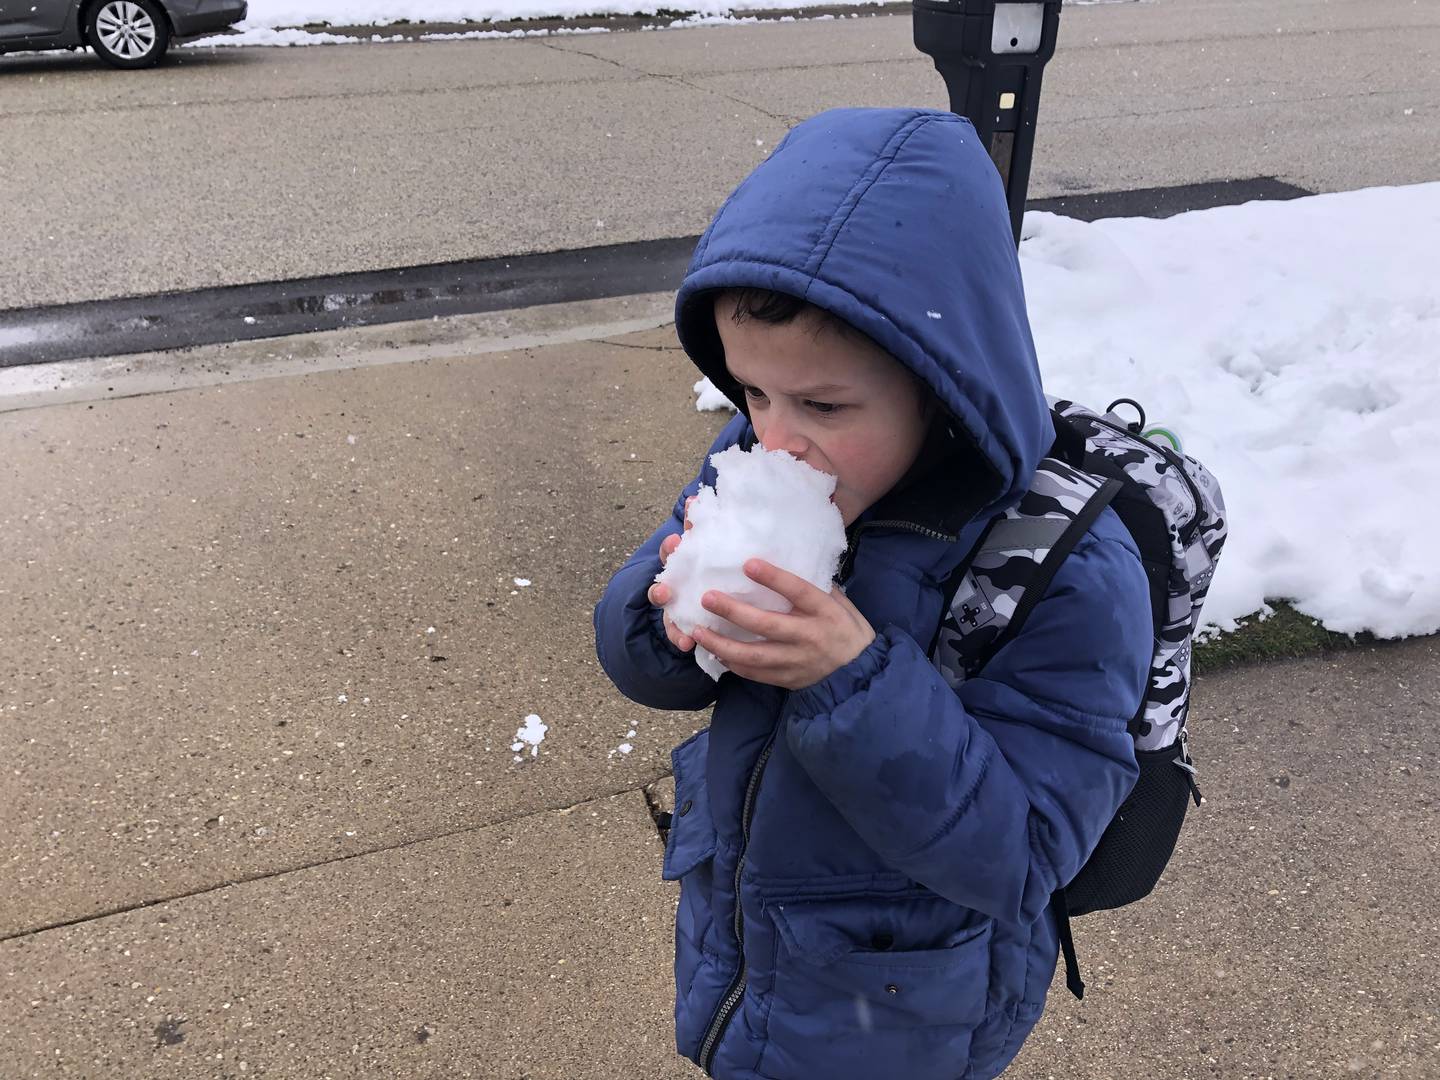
{"type": "Point", "coordinates": [778, 309]}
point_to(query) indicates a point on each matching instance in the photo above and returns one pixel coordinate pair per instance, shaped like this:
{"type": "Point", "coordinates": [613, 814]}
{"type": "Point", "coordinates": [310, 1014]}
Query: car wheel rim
{"type": "Point", "coordinates": [125, 29]}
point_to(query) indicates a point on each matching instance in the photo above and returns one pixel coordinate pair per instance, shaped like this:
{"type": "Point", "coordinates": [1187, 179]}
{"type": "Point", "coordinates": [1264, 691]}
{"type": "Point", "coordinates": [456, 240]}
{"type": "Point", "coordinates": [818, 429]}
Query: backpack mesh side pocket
{"type": "Point", "coordinates": [1129, 859]}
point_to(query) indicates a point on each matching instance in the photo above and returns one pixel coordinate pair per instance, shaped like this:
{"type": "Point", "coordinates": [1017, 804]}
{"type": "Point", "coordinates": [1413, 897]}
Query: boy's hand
{"type": "Point", "coordinates": [822, 632]}
{"type": "Point", "coordinates": [660, 594]}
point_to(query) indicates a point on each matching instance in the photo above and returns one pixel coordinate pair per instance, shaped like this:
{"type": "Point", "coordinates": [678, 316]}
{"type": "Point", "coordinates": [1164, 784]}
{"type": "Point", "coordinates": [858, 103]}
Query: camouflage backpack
{"type": "Point", "coordinates": [1174, 511]}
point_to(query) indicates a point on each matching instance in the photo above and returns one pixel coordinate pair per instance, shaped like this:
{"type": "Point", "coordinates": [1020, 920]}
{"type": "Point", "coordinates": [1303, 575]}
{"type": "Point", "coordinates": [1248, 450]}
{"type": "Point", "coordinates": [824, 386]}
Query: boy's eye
{"type": "Point", "coordinates": [824, 408]}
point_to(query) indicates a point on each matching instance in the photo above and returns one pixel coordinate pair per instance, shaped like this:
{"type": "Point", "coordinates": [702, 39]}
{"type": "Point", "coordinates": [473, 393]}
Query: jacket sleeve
{"type": "Point", "coordinates": [994, 796]}
{"type": "Point", "coordinates": [630, 636]}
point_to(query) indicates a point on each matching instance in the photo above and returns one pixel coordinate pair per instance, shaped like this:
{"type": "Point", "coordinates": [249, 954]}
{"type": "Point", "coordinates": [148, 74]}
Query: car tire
{"type": "Point", "coordinates": [127, 33]}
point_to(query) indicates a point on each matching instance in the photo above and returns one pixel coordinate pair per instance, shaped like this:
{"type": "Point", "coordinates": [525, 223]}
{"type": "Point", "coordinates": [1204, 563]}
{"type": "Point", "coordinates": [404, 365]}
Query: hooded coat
{"type": "Point", "coordinates": [865, 864]}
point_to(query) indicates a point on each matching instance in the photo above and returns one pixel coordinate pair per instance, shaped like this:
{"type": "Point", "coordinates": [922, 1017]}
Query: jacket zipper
{"type": "Point", "coordinates": [736, 992]}
{"type": "Point", "coordinates": [909, 526]}
{"type": "Point", "coordinates": [847, 563]}
{"type": "Point", "coordinates": [731, 1001]}
{"type": "Point", "coordinates": [1188, 533]}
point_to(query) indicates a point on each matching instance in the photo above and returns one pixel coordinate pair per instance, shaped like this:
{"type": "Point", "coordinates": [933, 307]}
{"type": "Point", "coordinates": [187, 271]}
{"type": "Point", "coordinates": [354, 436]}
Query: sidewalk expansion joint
{"type": "Point", "coordinates": [123, 909]}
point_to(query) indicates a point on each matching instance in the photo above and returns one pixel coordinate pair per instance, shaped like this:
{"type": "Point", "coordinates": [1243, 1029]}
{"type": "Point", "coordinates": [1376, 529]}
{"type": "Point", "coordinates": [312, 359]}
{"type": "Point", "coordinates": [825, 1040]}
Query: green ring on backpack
{"type": "Point", "coordinates": [1166, 434]}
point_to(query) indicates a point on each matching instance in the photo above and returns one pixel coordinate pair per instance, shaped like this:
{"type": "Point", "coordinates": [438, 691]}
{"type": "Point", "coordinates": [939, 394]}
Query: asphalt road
{"type": "Point", "coordinates": [234, 166]}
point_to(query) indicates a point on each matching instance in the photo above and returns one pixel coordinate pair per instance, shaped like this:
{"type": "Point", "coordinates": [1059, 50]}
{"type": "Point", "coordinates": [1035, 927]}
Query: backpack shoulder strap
{"type": "Point", "coordinates": [1059, 548]}
{"type": "Point", "coordinates": [988, 597]}
{"type": "Point", "coordinates": [991, 593]}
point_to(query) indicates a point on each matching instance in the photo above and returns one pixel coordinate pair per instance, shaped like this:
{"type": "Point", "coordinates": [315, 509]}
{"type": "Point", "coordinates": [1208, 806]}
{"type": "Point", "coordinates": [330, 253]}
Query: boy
{"type": "Point", "coordinates": [865, 855]}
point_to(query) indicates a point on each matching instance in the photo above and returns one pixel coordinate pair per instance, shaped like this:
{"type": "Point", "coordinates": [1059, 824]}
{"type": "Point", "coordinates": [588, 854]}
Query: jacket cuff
{"type": "Point", "coordinates": [844, 682]}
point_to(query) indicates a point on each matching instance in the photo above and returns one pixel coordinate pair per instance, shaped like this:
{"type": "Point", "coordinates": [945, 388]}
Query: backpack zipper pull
{"type": "Point", "coordinates": [1184, 762]}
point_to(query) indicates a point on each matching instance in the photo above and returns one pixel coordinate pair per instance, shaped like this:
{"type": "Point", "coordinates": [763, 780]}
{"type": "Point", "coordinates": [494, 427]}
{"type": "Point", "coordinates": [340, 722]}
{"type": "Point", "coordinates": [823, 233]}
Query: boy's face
{"type": "Point", "coordinates": [840, 404]}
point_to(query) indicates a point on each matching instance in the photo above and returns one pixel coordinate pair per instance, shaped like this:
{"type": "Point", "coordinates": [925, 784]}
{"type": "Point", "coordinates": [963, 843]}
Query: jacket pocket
{"type": "Point", "coordinates": [875, 986]}
{"type": "Point", "coordinates": [692, 830]}
{"type": "Point", "coordinates": [689, 859]}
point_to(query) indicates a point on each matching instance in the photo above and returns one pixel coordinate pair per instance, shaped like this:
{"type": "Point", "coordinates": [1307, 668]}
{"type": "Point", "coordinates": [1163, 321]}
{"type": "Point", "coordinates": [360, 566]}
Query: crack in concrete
{"type": "Point", "coordinates": [790, 121]}
{"type": "Point", "coordinates": [656, 813]}
{"type": "Point", "coordinates": [602, 59]}
{"type": "Point", "coordinates": [122, 909]}
{"type": "Point", "coordinates": [779, 117]}
{"type": "Point", "coordinates": [642, 348]}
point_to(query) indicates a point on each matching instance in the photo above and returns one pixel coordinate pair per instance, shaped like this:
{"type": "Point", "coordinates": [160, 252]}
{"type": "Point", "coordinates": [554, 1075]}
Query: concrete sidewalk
{"type": "Point", "coordinates": [536, 948]}
{"type": "Point", "coordinates": [264, 659]}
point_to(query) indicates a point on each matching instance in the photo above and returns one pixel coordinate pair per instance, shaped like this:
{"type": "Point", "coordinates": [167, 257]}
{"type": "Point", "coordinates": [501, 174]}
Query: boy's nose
{"type": "Point", "coordinates": [781, 436]}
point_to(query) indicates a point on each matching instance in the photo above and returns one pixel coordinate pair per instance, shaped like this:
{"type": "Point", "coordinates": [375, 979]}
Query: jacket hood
{"type": "Point", "coordinates": [895, 221]}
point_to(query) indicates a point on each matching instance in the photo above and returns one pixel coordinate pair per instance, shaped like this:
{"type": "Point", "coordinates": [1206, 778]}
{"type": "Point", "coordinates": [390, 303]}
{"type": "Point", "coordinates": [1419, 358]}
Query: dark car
{"type": "Point", "coordinates": [123, 33]}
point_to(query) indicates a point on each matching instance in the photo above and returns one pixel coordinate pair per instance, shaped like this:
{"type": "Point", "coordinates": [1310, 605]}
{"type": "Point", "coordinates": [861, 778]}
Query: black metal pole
{"type": "Point", "coordinates": [991, 54]}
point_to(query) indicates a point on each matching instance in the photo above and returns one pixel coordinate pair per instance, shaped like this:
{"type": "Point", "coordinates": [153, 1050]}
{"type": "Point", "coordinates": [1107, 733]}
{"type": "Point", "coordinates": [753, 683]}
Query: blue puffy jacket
{"type": "Point", "coordinates": [865, 864]}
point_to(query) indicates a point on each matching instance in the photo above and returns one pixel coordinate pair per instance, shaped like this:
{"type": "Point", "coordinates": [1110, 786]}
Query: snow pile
{"type": "Point", "coordinates": [1295, 348]}
{"type": "Point", "coordinates": [765, 504]}
{"type": "Point", "coordinates": [709, 398]}
{"type": "Point", "coordinates": [265, 14]}
{"type": "Point", "coordinates": [264, 35]}
{"type": "Point", "coordinates": [287, 13]}
{"type": "Point", "coordinates": [248, 35]}
{"type": "Point", "coordinates": [281, 22]}
{"type": "Point", "coordinates": [490, 35]}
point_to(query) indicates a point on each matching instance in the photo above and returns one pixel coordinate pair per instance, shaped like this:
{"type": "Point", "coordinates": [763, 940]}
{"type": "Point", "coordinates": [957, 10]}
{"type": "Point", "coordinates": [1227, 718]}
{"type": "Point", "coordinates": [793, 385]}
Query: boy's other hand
{"type": "Point", "coordinates": [660, 594]}
{"type": "Point", "coordinates": [822, 632]}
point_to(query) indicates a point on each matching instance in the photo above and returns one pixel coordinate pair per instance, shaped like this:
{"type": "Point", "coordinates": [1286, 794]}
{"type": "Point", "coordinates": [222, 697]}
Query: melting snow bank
{"type": "Point", "coordinates": [289, 13]}
{"type": "Point", "coordinates": [1295, 348]}
{"type": "Point", "coordinates": [277, 22]}
{"type": "Point", "coordinates": [271, 37]}
{"type": "Point", "coordinates": [279, 13]}
{"type": "Point", "coordinates": [279, 27]}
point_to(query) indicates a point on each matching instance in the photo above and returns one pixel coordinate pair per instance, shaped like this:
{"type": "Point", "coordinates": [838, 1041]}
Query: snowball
{"type": "Point", "coordinates": [766, 504]}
